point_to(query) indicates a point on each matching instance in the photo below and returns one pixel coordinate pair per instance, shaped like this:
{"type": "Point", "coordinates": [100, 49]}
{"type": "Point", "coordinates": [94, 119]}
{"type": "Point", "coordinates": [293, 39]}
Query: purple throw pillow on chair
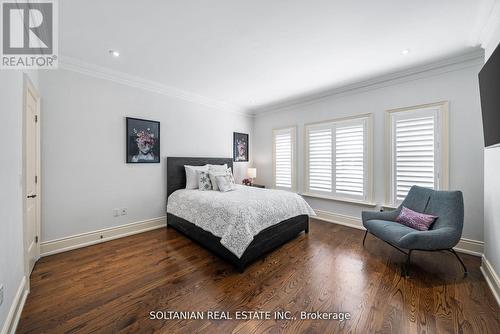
{"type": "Point", "coordinates": [416, 220]}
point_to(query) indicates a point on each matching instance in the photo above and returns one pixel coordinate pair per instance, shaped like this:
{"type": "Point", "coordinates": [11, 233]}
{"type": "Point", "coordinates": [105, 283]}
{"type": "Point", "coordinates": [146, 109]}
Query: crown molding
{"type": "Point", "coordinates": [474, 57]}
{"type": "Point", "coordinates": [491, 24]}
{"type": "Point", "coordinates": [457, 62]}
{"type": "Point", "coordinates": [79, 66]}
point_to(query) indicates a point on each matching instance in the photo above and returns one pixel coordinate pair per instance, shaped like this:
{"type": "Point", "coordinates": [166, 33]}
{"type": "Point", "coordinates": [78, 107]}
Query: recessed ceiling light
{"type": "Point", "coordinates": [114, 53]}
{"type": "Point", "coordinates": [405, 51]}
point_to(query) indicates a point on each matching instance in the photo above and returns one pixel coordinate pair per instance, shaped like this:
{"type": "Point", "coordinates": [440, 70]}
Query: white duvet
{"type": "Point", "coordinates": [236, 216]}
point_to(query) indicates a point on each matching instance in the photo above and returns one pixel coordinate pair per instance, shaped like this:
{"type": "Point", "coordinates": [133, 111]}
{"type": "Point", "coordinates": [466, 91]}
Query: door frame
{"type": "Point", "coordinates": [29, 86]}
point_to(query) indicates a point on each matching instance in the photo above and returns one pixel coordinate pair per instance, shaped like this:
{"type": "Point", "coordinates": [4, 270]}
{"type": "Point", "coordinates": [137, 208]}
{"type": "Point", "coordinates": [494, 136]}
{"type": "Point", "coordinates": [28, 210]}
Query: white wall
{"type": "Point", "coordinates": [11, 202]}
{"type": "Point", "coordinates": [457, 84]}
{"type": "Point", "coordinates": [84, 173]}
{"type": "Point", "coordinates": [492, 207]}
{"type": "Point", "coordinates": [492, 186]}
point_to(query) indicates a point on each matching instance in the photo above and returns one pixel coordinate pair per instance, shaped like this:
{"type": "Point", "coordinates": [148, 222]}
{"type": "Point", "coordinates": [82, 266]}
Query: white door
{"type": "Point", "coordinates": [32, 173]}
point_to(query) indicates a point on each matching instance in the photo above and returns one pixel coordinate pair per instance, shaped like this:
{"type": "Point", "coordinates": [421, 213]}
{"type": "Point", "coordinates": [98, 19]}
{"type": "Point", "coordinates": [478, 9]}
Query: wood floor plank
{"type": "Point", "coordinates": [112, 287]}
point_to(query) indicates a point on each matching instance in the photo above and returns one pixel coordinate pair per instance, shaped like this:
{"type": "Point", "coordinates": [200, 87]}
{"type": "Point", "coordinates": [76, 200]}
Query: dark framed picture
{"type": "Point", "coordinates": [240, 147]}
{"type": "Point", "coordinates": [143, 141]}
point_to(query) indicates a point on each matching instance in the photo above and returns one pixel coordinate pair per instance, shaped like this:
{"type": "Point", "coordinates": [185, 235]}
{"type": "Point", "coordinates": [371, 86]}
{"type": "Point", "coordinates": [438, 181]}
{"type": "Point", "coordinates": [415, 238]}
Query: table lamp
{"type": "Point", "coordinates": [252, 173]}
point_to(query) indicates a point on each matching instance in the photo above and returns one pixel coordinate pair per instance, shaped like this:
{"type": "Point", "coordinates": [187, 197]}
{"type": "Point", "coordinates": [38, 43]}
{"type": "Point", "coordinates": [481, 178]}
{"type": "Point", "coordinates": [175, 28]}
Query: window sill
{"type": "Point", "coordinates": [337, 199]}
{"type": "Point", "coordinates": [389, 207]}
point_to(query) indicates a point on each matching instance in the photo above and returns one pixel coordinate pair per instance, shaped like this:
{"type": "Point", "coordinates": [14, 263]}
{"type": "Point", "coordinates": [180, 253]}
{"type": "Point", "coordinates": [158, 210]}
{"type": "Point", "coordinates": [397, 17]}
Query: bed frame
{"type": "Point", "coordinates": [264, 242]}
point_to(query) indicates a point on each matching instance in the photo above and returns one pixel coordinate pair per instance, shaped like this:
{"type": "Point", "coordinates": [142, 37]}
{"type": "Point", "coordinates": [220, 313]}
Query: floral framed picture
{"type": "Point", "coordinates": [143, 141]}
{"type": "Point", "coordinates": [240, 147]}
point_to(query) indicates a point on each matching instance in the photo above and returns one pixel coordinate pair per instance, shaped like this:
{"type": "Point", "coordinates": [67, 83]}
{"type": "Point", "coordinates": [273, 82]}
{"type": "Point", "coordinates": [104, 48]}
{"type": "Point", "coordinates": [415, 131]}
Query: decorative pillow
{"type": "Point", "coordinates": [214, 174]}
{"type": "Point", "coordinates": [204, 182]}
{"type": "Point", "coordinates": [418, 221]}
{"type": "Point", "coordinates": [230, 174]}
{"type": "Point", "coordinates": [224, 183]}
{"type": "Point", "coordinates": [192, 176]}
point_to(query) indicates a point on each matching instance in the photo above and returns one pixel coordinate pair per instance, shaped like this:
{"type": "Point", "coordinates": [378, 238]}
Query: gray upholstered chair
{"type": "Point", "coordinates": [444, 234]}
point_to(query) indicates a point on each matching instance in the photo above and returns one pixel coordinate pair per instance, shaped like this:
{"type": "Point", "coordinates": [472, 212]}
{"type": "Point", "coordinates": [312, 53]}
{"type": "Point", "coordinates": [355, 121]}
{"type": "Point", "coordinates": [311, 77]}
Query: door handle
{"type": "Point", "coordinates": [31, 196]}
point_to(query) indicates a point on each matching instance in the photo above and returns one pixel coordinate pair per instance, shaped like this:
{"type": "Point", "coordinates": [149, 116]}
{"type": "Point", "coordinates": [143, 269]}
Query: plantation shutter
{"type": "Point", "coordinates": [284, 142]}
{"type": "Point", "coordinates": [414, 154]}
{"type": "Point", "coordinates": [349, 160]}
{"type": "Point", "coordinates": [320, 159]}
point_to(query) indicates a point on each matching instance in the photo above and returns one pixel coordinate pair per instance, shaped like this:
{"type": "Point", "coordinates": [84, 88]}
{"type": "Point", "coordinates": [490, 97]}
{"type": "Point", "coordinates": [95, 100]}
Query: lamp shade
{"type": "Point", "coordinates": [252, 173]}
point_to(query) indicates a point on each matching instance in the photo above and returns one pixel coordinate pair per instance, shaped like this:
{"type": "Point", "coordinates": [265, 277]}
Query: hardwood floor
{"type": "Point", "coordinates": [112, 287]}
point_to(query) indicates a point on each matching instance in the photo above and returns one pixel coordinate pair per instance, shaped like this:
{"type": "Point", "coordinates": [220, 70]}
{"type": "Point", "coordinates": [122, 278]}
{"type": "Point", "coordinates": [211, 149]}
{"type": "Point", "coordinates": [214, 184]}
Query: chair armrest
{"type": "Point", "coordinates": [442, 238]}
{"type": "Point", "coordinates": [384, 215]}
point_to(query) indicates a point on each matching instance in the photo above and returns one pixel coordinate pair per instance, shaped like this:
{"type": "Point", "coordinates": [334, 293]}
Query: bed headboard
{"type": "Point", "coordinates": [176, 175]}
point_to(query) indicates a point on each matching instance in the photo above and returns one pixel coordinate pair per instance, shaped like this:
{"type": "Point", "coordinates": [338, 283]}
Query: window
{"type": "Point", "coordinates": [284, 155]}
{"type": "Point", "coordinates": [338, 157]}
{"type": "Point", "coordinates": [320, 159]}
{"type": "Point", "coordinates": [418, 149]}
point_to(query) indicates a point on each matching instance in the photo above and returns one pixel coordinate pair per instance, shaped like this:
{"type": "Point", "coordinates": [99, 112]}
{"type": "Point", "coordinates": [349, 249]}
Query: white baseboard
{"type": "Point", "coordinates": [466, 246]}
{"type": "Point", "coordinates": [16, 309]}
{"type": "Point", "coordinates": [337, 218]}
{"type": "Point", "coordinates": [471, 247]}
{"type": "Point", "coordinates": [491, 278]}
{"type": "Point", "coordinates": [95, 237]}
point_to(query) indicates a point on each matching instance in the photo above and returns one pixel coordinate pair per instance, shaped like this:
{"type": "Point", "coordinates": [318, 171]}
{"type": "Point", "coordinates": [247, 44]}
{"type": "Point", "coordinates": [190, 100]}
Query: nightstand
{"type": "Point", "coordinates": [257, 185]}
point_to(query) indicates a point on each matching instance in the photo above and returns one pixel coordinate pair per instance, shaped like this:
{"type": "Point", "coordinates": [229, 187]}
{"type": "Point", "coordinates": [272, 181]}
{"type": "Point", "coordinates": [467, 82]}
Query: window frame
{"type": "Point", "coordinates": [293, 132]}
{"type": "Point", "coordinates": [441, 145]}
{"type": "Point", "coordinates": [367, 121]}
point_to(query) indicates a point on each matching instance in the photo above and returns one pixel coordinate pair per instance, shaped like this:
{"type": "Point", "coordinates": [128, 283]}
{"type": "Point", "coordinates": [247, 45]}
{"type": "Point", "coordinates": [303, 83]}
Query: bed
{"type": "Point", "coordinates": [204, 228]}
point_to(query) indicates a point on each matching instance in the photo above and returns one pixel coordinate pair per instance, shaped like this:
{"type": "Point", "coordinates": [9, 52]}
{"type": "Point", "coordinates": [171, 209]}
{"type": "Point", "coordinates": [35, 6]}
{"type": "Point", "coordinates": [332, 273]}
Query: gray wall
{"type": "Point", "coordinates": [84, 172]}
{"type": "Point", "coordinates": [456, 83]}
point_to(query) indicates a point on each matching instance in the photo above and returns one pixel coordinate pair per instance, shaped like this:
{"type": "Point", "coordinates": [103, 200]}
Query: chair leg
{"type": "Point", "coordinates": [459, 260]}
{"type": "Point", "coordinates": [407, 264]}
{"type": "Point", "coordinates": [364, 238]}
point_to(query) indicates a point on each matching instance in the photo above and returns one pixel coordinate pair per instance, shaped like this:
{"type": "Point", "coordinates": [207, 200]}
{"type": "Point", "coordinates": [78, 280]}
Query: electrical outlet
{"type": "Point", "coordinates": [124, 211]}
{"type": "Point", "coordinates": [116, 212]}
{"type": "Point", "coordinates": [1, 294]}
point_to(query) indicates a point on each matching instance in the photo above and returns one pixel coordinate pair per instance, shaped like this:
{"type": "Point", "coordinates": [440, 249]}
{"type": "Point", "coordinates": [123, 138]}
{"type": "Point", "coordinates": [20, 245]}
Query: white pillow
{"type": "Point", "coordinates": [213, 178]}
{"type": "Point", "coordinates": [217, 168]}
{"type": "Point", "coordinates": [224, 183]}
{"type": "Point", "coordinates": [231, 176]}
{"type": "Point", "coordinates": [192, 176]}
{"type": "Point", "coordinates": [214, 174]}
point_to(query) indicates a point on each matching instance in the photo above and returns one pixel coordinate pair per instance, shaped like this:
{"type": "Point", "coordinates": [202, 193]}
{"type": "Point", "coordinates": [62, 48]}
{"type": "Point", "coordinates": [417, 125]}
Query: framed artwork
{"type": "Point", "coordinates": [143, 141]}
{"type": "Point", "coordinates": [240, 147]}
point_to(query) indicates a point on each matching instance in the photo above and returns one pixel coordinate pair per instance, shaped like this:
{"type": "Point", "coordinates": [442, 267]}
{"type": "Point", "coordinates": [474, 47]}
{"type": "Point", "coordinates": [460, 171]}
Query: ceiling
{"type": "Point", "coordinates": [253, 53]}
